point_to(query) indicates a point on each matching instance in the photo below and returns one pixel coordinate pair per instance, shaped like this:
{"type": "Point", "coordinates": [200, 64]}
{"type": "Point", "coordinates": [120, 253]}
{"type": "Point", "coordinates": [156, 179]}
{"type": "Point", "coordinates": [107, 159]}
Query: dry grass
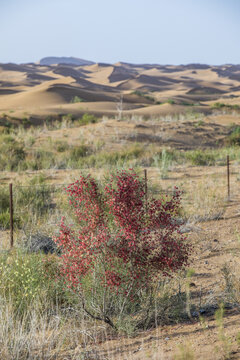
{"type": "Point", "coordinates": [41, 335]}
{"type": "Point", "coordinates": [205, 199]}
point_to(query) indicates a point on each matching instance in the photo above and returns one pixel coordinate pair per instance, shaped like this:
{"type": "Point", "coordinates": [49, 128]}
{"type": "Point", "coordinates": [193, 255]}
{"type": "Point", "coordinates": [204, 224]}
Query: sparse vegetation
{"type": "Point", "coordinates": [185, 352]}
{"type": "Point", "coordinates": [163, 163]}
{"type": "Point", "coordinates": [170, 101]}
{"type": "Point", "coordinates": [38, 209]}
{"type": "Point", "coordinates": [219, 105]}
{"type": "Point", "coordinates": [201, 158]}
{"type": "Point", "coordinates": [234, 138]}
{"type": "Point", "coordinates": [61, 146]}
{"type": "Point", "coordinates": [225, 341]}
{"type": "Point", "coordinates": [21, 151]}
{"type": "Point", "coordinates": [144, 95]}
{"type": "Point", "coordinates": [87, 119]}
{"type": "Point", "coordinates": [12, 153]}
{"type": "Point", "coordinates": [77, 99]}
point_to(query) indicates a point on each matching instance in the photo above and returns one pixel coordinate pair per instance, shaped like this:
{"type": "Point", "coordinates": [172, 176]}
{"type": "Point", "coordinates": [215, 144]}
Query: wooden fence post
{"type": "Point", "coordinates": [146, 189]}
{"type": "Point", "coordinates": [11, 214]}
{"type": "Point", "coordinates": [228, 177]}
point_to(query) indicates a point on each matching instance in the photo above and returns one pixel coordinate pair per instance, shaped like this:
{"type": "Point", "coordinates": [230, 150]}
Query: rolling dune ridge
{"type": "Point", "coordinates": [82, 86]}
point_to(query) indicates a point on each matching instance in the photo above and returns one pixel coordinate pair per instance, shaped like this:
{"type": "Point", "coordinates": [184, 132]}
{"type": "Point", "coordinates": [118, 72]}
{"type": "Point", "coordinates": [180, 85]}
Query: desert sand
{"type": "Point", "coordinates": [34, 91]}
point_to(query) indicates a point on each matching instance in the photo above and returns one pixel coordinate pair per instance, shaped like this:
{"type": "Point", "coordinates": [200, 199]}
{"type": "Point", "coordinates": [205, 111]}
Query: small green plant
{"type": "Point", "coordinates": [68, 118]}
{"type": "Point", "coordinates": [163, 163]}
{"type": "Point", "coordinates": [199, 123]}
{"type": "Point", "coordinates": [26, 121]}
{"type": "Point", "coordinates": [39, 159]}
{"type": "Point", "coordinates": [5, 220]}
{"type": "Point", "coordinates": [185, 103]}
{"type": "Point", "coordinates": [185, 352]}
{"type": "Point", "coordinates": [4, 130]}
{"type": "Point", "coordinates": [26, 278]}
{"type": "Point", "coordinates": [30, 140]}
{"type": "Point", "coordinates": [170, 101]}
{"type": "Point", "coordinates": [234, 138]}
{"type": "Point", "coordinates": [144, 95]}
{"type": "Point", "coordinates": [61, 146]}
{"type": "Point", "coordinates": [218, 105]}
{"type": "Point", "coordinates": [190, 273]}
{"type": "Point", "coordinates": [12, 153]}
{"type": "Point", "coordinates": [203, 322]}
{"type": "Point", "coordinates": [20, 279]}
{"type": "Point", "coordinates": [77, 99]}
{"type": "Point", "coordinates": [77, 152]}
{"type": "Point", "coordinates": [87, 119]}
{"type": "Point", "coordinates": [238, 338]}
{"type": "Point", "coordinates": [225, 340]}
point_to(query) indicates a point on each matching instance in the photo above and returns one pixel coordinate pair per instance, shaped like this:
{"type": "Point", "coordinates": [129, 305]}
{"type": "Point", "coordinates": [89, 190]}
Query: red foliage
{"type": "Point", "coordinates": [133, 240]}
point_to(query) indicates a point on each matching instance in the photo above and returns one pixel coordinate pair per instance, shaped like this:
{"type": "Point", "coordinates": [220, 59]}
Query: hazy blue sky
{"type": "Point", "coordinates": [137, 31]}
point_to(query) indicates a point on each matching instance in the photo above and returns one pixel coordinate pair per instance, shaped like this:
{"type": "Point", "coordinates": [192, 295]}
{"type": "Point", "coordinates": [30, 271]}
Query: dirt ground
{"type": "Point", "coordinates": [216, 244]}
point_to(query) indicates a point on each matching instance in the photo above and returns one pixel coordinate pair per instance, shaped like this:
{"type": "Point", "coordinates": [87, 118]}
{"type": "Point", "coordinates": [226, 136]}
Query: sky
{"type": "Point", "coordinates": [135, 31]}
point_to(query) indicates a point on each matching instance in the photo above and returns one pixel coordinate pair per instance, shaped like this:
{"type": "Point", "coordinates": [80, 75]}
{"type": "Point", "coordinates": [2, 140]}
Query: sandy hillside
{"type": "Point", "coordinates": [37, 90]}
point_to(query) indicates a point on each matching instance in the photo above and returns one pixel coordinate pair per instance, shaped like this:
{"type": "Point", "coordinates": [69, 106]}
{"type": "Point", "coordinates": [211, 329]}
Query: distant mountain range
{"type": "Point", "coordinates": [53, 60]}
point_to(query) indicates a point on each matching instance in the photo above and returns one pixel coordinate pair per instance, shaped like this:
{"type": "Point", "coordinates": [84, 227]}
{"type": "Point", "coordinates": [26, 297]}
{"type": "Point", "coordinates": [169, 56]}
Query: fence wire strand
{"type": "Point", "coordinates": [40, 207]}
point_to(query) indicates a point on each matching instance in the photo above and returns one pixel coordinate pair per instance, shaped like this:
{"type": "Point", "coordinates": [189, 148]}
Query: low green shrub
{"type": "Point", "coordinates": [170, 101]}
{"type": "Point", "coordinates": [144, 95]}
{"type": "Point", "coordinates": [61, 146]}
{"type": "Point", "coordinates": [77, 152]}
{"type": "Point", "coordinates": [87, 119]}
{"type": "Point", "coordinates": [163, 161]}
{"type": "Point", "coordinates": [4, 130]}
{"type": "Point", "coordinates": [4, 220]}
{"type": "Point", "coordinates": [77, 99]}
{"type": "Point", "coordinates": [219, 105]}
{"type": "Point", "coordinates": [12, 153]}
{"type": "Point", "coordinates": [39, 159]}
{"type": "Point", "coordinates": [26, 121]}
{"type": "Point", "coordinates": [200, 158]}
{"type": "Point", "coordinates": [27, 278]}
{"type": "Point", "coordinates": [234, 138]}
{"type": "Point", "coordinates": [68, 118]}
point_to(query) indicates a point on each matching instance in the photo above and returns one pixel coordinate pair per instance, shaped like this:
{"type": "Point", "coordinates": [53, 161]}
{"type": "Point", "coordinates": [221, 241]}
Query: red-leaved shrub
{"type": "Point", "coordinates": [120, 237]}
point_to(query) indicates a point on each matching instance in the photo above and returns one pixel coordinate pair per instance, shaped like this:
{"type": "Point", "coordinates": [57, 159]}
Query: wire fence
{"type": "Point", "coordinates": [25, 210]}
{"type": "Point", "coordinates": [33, 209]}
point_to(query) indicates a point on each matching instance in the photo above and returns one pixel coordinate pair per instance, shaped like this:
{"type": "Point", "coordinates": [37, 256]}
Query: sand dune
{"type": "Point", "coordinates": [33, 98]}
{"type": "Point", "coordinates": [146, 89]}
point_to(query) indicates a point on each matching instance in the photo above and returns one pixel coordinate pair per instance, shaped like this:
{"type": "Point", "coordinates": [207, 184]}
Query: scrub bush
{"type": "Point", "coordinates": [121, 244]}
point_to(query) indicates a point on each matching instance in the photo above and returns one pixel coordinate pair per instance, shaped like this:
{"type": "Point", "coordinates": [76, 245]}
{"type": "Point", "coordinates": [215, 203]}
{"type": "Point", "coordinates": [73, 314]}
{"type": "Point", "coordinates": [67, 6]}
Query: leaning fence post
{"type": "Point", "coordinates": [146, 188]}
{"type": "Point", "coordinates": [228, 177]}
{"type": "Point", "coordinates": [11, 214]}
